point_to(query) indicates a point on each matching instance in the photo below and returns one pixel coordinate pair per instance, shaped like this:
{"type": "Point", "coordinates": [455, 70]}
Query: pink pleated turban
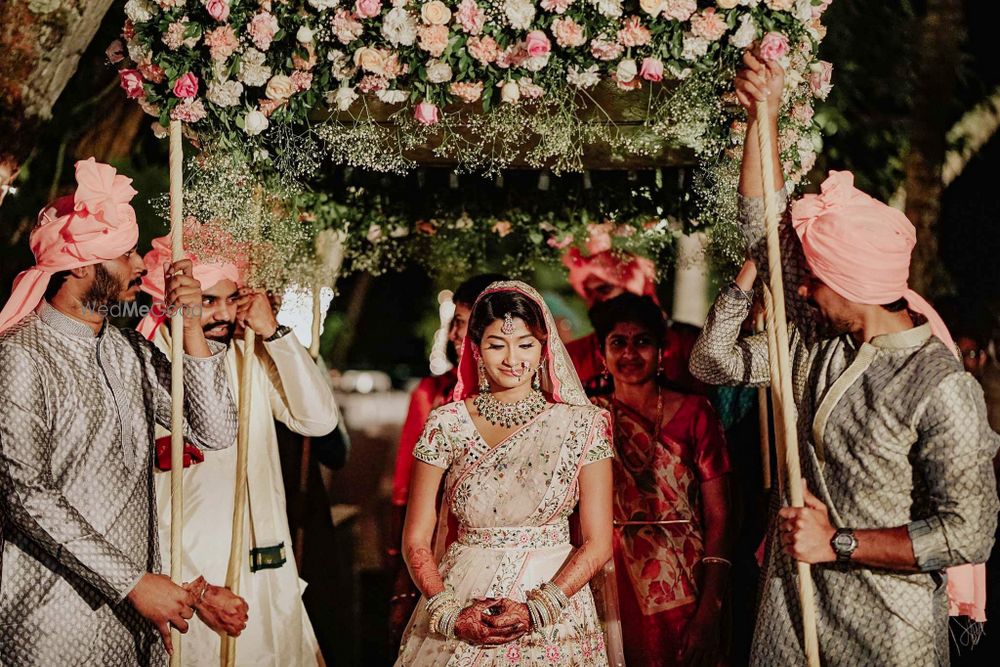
{"type": "Point", "coordinates": [632, 273]}
{"type": "Point", "coordinates": [93, 225]}
{"type": "Point", "coordinates": [860, 248]}
{"type": "Point", "coordinates": [206, 273]}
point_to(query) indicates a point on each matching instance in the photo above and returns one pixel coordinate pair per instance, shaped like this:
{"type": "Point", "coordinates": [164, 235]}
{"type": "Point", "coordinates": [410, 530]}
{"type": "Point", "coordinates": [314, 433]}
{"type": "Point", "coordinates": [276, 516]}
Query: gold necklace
{"type": "Point", "coordinates": [502, 414]}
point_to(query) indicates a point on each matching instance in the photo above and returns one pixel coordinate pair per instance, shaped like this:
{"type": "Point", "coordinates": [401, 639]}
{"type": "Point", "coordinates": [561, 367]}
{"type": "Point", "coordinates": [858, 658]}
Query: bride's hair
{"type": "Point", "coordinates": [495, 305]}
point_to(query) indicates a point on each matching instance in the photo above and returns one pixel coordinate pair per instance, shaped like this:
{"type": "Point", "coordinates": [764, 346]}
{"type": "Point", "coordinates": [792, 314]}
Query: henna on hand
{"type": "Point", "coordinates": [424, 571]}
{"type": "Point", "coordinates": [471, 626]}
{"type": "Point", "coordinates": [222, 610]}
{"type": "Point", "coordinates": [508, 614]}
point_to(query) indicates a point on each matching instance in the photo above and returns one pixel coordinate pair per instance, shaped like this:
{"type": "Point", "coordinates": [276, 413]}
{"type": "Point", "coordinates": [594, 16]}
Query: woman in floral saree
{"type": "Point", "coordinates": [518, 449]}
{"type": "Point", "coordinates": [671, 507]}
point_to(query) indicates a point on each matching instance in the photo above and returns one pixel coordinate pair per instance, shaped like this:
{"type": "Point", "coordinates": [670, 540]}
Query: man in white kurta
{"type": "Point", "coordinates": [287, 385]}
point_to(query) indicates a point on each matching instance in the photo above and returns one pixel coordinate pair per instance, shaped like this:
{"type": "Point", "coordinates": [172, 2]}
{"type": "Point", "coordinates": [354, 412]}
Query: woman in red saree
{"type": "Point", "coordinates": [671, 507]}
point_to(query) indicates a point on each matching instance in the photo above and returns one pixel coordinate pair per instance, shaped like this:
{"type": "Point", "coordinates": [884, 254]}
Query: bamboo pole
{"type": "Point", "coordinates": [237, 549]}
{"type": "Point", "coordinates": [762, 415]}
{"type": "Point", "coordinates": [176, 378]}
{"type": "Point", "coordinates": [779, 324]}
{"type": "Point", "coordinates": [776, 405]}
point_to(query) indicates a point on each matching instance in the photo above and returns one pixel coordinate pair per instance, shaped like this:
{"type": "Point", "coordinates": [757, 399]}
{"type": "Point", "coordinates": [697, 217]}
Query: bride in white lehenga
{"type": "Point", "coordinates": [517, 456]}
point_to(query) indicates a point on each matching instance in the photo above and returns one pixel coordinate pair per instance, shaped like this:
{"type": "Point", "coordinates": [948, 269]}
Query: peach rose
{"type": "Point", "coordinates": [820, 79]}
{"type": "Point", "coordinates": [370, 60]}
{"type": "Point", "coordinates": [502, 228]}
{"type": "Point", "coordinates": [483, 49]}
{"type": "Point", "coordinates": [435, 12]}
{"type": "Point", "coordinates": [433, 39]}
{"type": "Point", "coordinates": [280, 87]}
{"type": "Point", "coordinates": [708, 24]}
{"type": "Point", "coordinates": [568, 33]}
{"type": "Point", "coordinates": [467, 92]}
{"type": "Point", "coordinates": [367, 9]}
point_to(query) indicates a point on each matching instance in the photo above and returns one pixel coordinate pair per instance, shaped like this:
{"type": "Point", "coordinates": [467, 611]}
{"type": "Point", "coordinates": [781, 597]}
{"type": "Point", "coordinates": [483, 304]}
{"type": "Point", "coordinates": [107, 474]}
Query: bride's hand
{"type": "Point", "coordinates": [509, 615]}
{"type": "Point", "coordinates": [475, 626]}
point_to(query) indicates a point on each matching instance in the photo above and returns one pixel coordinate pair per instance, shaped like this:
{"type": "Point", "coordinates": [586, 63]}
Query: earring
{"type": "Point", "coordinates": [484, 383]}
{"type": "Point", "coordinates": [536, 381]}
{"type": "Point", "coordinates": [605, 373]}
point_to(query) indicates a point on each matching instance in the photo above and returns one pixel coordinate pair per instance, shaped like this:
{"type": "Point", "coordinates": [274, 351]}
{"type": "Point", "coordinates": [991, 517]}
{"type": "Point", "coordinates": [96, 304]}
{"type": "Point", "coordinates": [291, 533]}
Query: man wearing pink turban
{"type": "Point", "coordinates": [285, 384]}
{"type": "Point", "coordinates": [78, 403]}
{"type": "Point", "coordinates": [600, 276]}
{"type": "Point", "coordinates": [895, 447]}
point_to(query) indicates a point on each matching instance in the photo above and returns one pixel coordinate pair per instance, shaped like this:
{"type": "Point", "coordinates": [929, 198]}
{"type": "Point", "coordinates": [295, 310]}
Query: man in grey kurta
{"type": "Point", "coordinates": [78, 403]}
{"type": "Point", "coordinates": [894, 444]}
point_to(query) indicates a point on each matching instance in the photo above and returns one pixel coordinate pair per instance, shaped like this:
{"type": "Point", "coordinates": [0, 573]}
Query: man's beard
{"type": "Point", "coordinates": [224, 337]}
{"type": "Point", "coordinates": [106, 290]}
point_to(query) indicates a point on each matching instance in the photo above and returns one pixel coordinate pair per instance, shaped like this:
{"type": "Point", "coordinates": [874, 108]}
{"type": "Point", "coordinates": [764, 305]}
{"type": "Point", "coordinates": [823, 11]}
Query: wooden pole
{"type": "Point", "coordinates": [176, 378]}
{"type": "Point", "coordinates": [776, 406]}
{"type": "Point", "coordinates": [237, 549]}
{"type": "Point", "coordinates": [762, 416]}
{"type": "Point", "coordinates": [788, 415]}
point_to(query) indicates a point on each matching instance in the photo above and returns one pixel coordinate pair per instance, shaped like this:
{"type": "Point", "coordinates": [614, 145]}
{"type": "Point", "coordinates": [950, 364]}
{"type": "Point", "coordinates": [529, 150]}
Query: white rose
{"type": "Point", "coordinates": [374, 233]}
{"type": "Point", "coordinates": [728, 4]}
{"type": "Point", "coordinates": [537, 63]}
{"type": "Point", "coordinates": [324, 4]}
{"type": "Point", "coordinates": [225, 93]}
{"type": "Point", "coordinates": [520, 13]}
{"type": "Point", "coordinates": [652, 7]}
{"type": "Point", "coordinates": [510, 92]}
{"type": "Point", "coordinates": [140, 11]}
{"type": "Point", "coordinates": [609, 8]}
{"type": "Point", "coordinates": [435, 12]}
{"type": "Point", "coordinates": [255, 122]}
{"type": "Point", "coordinates": [745, 34]}
{"type": "Point", "coordinates": [391, 96]}
{"type": "Point", "coordinates": [304, 35]}
{"type": "Point", "coordinates": [398, 232]}
{"type": "Point", "coordinates": [280, 87]}
{"type": "Point", "coordinates": [803, 10]}
{"type": "Point", "coordinates": [400, 27]}
{"type": "Point", "coordinates": [438, 72]}
{"type": "Point", "coordinates": [344, 98]}
{"type": "Point", "coordinates": [627, 70]}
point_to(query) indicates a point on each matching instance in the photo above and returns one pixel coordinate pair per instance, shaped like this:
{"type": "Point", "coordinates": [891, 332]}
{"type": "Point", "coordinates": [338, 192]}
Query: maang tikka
{"type": "Point", "coordinates": [507, 328]}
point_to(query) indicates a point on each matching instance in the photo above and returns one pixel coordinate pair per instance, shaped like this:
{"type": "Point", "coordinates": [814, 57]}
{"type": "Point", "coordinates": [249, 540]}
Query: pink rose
{"type": "Point", "coordinates": [302, 80]}
{"type": "Point", "coordinates": [131, 81]}
{"type": "Point", "coordinates": [262, 29]}
{"type": "Point", "coordinates": [426, 113]}
{"type": "Point", "coordinates": [537, 43]}
{"type": "Point", "coordinates": [217, 9]}
{"type": "Point", "coordinates": [471, 17]}
{"type": "Point", "coordinates": [186, 86]}
{"type": "Point", "coordinates": [115, 52]}
{"type": "Point", "coordinates": [367, 9]}
{"type": "Point", "coordinates": [189, 111]}
{"type": "Point", "coordinates": [820, 79]}
{"type": "Point", "coordinates": [651, 70]}
{"type": "Point", "coordinates": [568, 33]}
{"type": "Point", "coordinates": [773, 46]}
{"type": "Point", "coordinates": [708, 24]}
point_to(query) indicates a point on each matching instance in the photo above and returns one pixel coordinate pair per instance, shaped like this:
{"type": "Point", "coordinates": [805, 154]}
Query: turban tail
{"type": "Point", "coordinates": [95, 224]}
{"type": "Point", "coordinates": [156, 261]}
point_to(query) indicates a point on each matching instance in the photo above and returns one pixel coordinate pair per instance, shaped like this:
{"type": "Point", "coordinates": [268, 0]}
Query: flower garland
{"type": "Point", "coordinates": [485, 82]}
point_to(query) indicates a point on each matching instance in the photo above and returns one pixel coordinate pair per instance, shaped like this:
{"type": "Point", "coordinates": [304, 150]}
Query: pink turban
{"type": "Point", "coordinates": [860, 248]}
{"type": "Point", "coordinates": [93, 225]}
{"type": "Point", "coordinates": [206, 273]}
{"type": "Point", "coordinates": [632, 273]}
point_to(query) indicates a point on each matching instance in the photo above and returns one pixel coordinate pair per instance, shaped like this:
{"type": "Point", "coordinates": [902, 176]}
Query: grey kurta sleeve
{"type": "Point", "coordinates": [209, 411]}
{"type": "Point", "coordinates": [721, 356]}
{"type": "Point", "coordinates": [954, 460]}
{"type": "Point", "coordinates": [793, 261]}
{"type": "Point", "coordinates": [300, 395]}
{"type": "Point", "coordinates": [31, 499]}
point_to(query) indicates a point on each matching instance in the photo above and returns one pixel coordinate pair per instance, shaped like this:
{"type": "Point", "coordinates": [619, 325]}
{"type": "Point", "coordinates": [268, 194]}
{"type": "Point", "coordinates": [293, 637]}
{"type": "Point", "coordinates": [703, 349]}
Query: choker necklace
{"type": "Point", "coordinates": [506, 415]}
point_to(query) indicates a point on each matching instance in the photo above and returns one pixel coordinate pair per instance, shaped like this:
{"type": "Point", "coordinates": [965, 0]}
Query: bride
{"type": "Point", "coordinates": [518, 449]}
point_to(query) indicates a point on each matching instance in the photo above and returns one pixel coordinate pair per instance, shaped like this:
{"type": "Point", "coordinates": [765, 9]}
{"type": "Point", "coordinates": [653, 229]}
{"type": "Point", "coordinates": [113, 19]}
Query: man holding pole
{"type": "Point", "coordinates": [285, 384]}
{"type": "Point", "coordinates": [896, 451]}
{"type": "Point", "coordinates": [79, 400]}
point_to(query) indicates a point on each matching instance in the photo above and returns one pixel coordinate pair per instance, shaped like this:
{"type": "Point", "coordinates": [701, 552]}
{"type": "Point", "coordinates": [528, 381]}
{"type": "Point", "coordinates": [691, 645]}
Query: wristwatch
{"type": "Point", "coordinates": [844, 544]}
{"type": "Point", "coordinates": [280, 332]}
